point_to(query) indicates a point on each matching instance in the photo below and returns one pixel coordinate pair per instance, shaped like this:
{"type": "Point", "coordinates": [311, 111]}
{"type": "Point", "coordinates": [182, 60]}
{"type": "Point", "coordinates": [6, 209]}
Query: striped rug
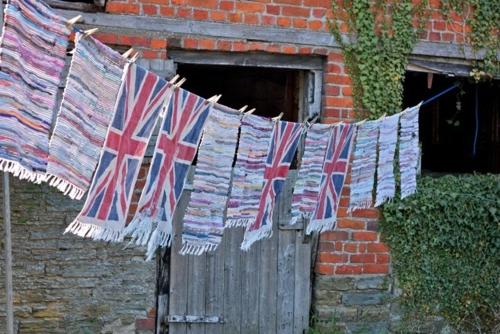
{"type": "Point", "coordinates": [364, 165]}
{"type": "Point", "coordinates": [87, 107]}
{"type": "Point", "coordinates": [204, 220]}
{"type": "Point", "coordinates": [248, 175]}
{"type": "Point", "coordinates": [387, 140]}
{"type": "Point", "coordinates": [32, 59]}
{"type": "Point", "coordinates": [409, 151]}
{"type": "Point", "coordinates": [306, 190]}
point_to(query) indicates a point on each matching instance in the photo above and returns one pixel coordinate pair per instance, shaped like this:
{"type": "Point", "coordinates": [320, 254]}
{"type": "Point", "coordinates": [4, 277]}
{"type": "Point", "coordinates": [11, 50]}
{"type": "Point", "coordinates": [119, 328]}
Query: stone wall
{"type": "Point", "coordinates": [66, 284]}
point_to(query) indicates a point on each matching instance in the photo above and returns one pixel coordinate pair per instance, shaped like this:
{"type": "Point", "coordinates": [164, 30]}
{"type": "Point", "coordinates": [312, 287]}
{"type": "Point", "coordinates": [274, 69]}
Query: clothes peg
{"type": "Point", "coordinates": [128, 53]}
{"type": "Point", "coordinates": [277, 118]}
{"type": "Point", "coordinates": [250, 111]}
{"type": "Point", "coordinates": [134, 58]}
{"type": "Point", "coordinates": [242, 109]}
{"type": "Point", "coordinates": [89, 32]}
{"type": "Point", "coordinates": [72, 21]}
{"type": "Point", "coordinates": [183, 80]}
{"type": "Point", "coordinates": [174, 79]}
{"type": "Point", "coordinates": [360, 122]}
{"type": "Point", "coordinates": [216, 98]}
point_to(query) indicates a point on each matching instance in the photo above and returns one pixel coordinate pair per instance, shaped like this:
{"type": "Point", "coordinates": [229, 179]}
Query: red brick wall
{"type": "Point", "coordinates": [355, 247]}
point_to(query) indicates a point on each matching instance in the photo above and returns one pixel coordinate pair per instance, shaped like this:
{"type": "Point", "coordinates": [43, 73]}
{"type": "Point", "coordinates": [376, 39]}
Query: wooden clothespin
{"type": "Point", "coordinates": [89, 32]}
{"type": "Point", "coordinates": [134, 57]}
{"type": "Point", "coordinates": [214, 98]}
{"type": "Point", "coordinates": [177, 85]}
{"type": "Point", "coordinates": [128, 53]}
{"type": "Point", "coordinates": [174, 79]}
{"type": "Point", "coordinates": [72, 21]}
{"type": "Point", "coordinates": [250, 111]}
{"type": "Point", "coordinates": [242, 109]}
{"type": "Point", "coordinates": [277, 118]}
{"type": "Point", "coordinates": [360, 122]}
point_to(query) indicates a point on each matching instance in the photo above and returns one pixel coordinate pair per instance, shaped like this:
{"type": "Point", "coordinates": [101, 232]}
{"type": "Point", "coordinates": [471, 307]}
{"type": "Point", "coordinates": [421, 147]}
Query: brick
{"type": "Point", "coordinates": [167, 11]}
{"type": "Point", "coordinates": [200, 14]}
{"type": "Point", "coordinates": [224, 45]}
{"type": "Point", "coordinates": [150, 9]}
{"type": "Point", "coordinates": [318, 3]}
{"type": "Point", "coordinates": [185, 12]}
{"type": "Point", "coordinates": [190, 43]}
{"type": "Point", "coordinates": [333, 258]}
{"type": "Point", "coordinates": [435, 37]}
{"type": "Point", "coordinates": [324, 269]}
{"type": "Point", "coordinates": [366, 213]}
{"type": "Point", "coordinates": [295, 11]}
{"type": "Point", "coordinates": [362, 258]}
{"type": "Point", "coordinates": [145, 324]}
{"type": "Point", "coordinates": [383, 258]}
{"type": "Point", "coordinates": [319, 13]}
{"type": "Point", "coordinates": [250, 7]}
{"type": "Point", "coordinates": [335, 57]}
{"type": "Point", "coordinates": [289, 49]}
{"type": "Point", "coordinates": [273, 9]}
{"type": "Point", "coordinates": [364, 236]}
{"type": "Point", "coordinates": [351, 224]}
{"type": "Point", "coordinates": [251, 19]}
{"type": "Point", "coordinates": [239, 46]}
{"type": "Point", "coordinates": [375, 268]}
{"type": "Point", "coordinates": [335, 235]}
{"type": "Point", "coordinates": [377, 247]}
{"type": "Point", "coordinates": [316, 25]}
{"type": "Point", "coordinates": [290, 2]}
{"type": "Point", "coordinates": [158, 43]}
{"type": "Point", "coordinates": [212, 4]}
{"type": "Point", "coordinates": [140, 41]}
{"type": "Point", "coordinates": [325, 246]}
{"type": "Point", "coordinates": [122, 8]}
{"type": "Point", "coordinates": [338, 79]}
{"type": "Point", "coordinates": [178, 2]}
{"type": "Point", "coordinates": [334, 68]}
{"type": "Point", "coordinates": [362, 298]}
{"type": "Point", "coordinates": [234, 17]}
{"type": "Point", "coordinates": [348, 270]}
{"type": "Point", "coordinates": [226, 5]}
{"type": "Point", "coordinates": [304, 50]}
{"type": "Point", "coordinates": [439, 25]}
{"type": "Point", "coordinates": [299, 23]}
{"type": "Point", "coordinates": [268, 20]}
{"type": "Point", "coordinates": [273, 48]}
{"type": "Point", "coordinates": [206, 44]}
{"type": "Point", "coordinates": [149, 54]}
{"type": "Point", "coordinates": [284, 22]}
{"type": "Point", "coordinates": [106, 37]}
{"type": "Point", "coordinates": [362, 248]}
{"type": "Point", "coordinates": [217, 15]}
{"type": "Point", "coordinates": [447, 37]}
{"type": "Point", "coordinates": [351, 247]}
{"type": "Point", "coordinates": [347, 91]}
{"type": "Point", "coordinates": [332, 90]}
{"type": "Point", "coordinates": [339, 101]}
{"type": "Point", "coordinates": [151, 312]}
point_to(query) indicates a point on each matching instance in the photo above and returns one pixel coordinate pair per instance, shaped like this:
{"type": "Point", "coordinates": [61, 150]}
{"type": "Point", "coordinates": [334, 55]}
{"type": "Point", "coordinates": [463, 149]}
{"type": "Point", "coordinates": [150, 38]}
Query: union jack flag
{"type": "Point", "coordinates": [142, 96]}
{"type": "Point", "coordinates": [175, 150]}
{"type": "Point", "coordinates": [284, 143]}
{"type": "Point", "coordinates": [332, 180]}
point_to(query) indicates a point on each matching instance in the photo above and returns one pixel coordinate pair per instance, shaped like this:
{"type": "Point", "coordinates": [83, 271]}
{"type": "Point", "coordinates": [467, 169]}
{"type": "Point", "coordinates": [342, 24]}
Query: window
{"type": "Point", "coordinates": [80, 5]}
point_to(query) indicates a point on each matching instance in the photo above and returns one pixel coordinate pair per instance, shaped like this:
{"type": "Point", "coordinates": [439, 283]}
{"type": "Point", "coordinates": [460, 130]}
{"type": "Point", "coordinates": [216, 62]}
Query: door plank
{"type": "Point", "coordinates": [232, 281]}
{"type": "Point", "coordinates": [214, 302]}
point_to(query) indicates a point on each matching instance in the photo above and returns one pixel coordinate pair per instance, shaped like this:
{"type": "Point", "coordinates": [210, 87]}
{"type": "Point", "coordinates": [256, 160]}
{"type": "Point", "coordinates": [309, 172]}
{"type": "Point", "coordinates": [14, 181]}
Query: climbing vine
{"type": "Point", "coordinates": [379, 36]}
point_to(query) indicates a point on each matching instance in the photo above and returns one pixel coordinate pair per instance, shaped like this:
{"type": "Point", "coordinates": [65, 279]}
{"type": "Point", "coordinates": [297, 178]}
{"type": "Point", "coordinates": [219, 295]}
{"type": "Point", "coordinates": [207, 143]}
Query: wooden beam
{"type": "Point", "coordinates": [9, 310]}
{"type": "Point", "coordinates": [169, 27]}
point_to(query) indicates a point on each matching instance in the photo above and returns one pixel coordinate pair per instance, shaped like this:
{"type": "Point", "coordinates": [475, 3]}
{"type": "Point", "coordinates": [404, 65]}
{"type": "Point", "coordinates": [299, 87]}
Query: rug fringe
{"type": "Point", "coordinates": [321, 225]}
{"type": "Point", "coordinates": [158, 239]}
{"type": "Point", "coordinates": [93, 232]}
{"type": "Point", "coordinates": [19, 171]}
{"type": "Point", "coordinates": [253, 236]}
{"type": "Point", "coordinates": [67, 188]}
{"type": "Point", "coordinates": [189, 248]}
{"type": "Point", "coordinates": [359, 206]}
{"type": "Point", "coordinates": [139, 229]}
{"type": "Point", "coordinates": [237, 222]}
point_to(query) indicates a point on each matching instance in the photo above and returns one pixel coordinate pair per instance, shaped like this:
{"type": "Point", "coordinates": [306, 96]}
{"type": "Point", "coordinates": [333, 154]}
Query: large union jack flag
{"type": "Point", "coordinates": [284, 143]}
{"type": "Point", "coordinates": [142, 97]}
{"type": "Point", "coordinates": [175, 150]}
{"type": "Point", "coordinates": [332, 180]}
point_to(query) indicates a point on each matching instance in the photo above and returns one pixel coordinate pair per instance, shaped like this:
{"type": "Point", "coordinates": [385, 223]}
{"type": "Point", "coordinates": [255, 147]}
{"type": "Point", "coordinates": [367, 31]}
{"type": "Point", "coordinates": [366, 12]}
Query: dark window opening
{"type": "Point", "coordinates": [457, 136]}
{"type": "Point", "coordinates": [271, 91]}
{"type": "Point", "coordinates": [80, 5]}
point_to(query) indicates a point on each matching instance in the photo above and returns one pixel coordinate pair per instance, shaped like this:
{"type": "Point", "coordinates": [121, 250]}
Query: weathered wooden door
{"type": "Point", "coordinates": [265, 290]}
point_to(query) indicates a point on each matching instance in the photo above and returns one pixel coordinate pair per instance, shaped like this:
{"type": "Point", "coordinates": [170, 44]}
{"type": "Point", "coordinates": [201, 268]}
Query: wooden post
{"type": "Point", "coordinates": [9, 310]}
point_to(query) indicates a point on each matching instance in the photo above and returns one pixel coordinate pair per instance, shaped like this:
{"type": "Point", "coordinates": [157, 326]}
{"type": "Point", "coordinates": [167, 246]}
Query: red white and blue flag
{"type": "Point", "coordinates": [332, 181]}
{"type": "Point", "coordinates": [284, 143]}
{"type": "Point", "coordinates": [141, 98]}
{"type": "Point", "coordinates": [175, 150]}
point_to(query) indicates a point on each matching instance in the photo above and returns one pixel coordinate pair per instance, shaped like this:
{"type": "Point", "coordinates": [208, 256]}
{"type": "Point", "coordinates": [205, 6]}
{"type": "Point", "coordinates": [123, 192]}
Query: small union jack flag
{"type": "Point", "coordinates": [332, 180]}
{"type": "Point", "coordinates": [142, 96]}
{"type": "Point", "coordinates": [284, 143]}
{"type": "Point", "coordinates": [175, 150]}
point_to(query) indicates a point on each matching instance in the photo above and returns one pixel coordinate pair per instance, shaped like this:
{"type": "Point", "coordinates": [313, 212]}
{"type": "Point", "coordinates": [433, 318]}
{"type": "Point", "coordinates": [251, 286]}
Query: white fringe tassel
{"type": "Point", "coordinates": [93, 231]}
{"type": "Point", "coordinates": [139, 229]}
{"type": "Point", "coordinates": [195, 249]}
{"type": "Point", "coordinates": [360, 205]}
{"type": "Point", "coordinates": [158, 239]}
{"type": "Point", "coordinates": [265, 232]}
{"type": "Point", "coordinates": [19, 171]}
{"type": "Point", "coordinates": [237, 222]}
{"type": "Point", "coordinates": [321, 225]}
{"type": "Point", "coordinates": [65, 187]}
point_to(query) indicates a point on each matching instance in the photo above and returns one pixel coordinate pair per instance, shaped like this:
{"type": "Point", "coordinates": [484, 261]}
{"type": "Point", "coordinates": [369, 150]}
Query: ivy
{"type": "Point", "coordinates": [445, 243]}
{"type": "Point", "coordinates": [380, 36]}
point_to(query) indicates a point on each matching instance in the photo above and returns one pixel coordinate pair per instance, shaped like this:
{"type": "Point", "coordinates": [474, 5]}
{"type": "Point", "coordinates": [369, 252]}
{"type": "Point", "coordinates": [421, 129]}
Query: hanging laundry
{"type": "Point", "coordinates": [335, 168]}
{"type": "Point", "coordinates": [204, 220]}
{"type": "Point", "coordinates": [32, 59]}
{"type": "Point", "coordinates": [364, 165]}
{"type": "Point", "coordinates": [284, 143]}
{"type": "Point", "coordinates": [87, 107]}
{"type": "Point", "coordinates": [409, 151]}
{"type": "Point", "coordinates": [142, 97]}
{"type": "Point", "coordinates": [248, 175]}
{"type": "Point", "coordinates": [306, 190]}
{"type": "Point", "coordinates": [175, 150]}
{"type": "Point", "coordinates": [387, 140]}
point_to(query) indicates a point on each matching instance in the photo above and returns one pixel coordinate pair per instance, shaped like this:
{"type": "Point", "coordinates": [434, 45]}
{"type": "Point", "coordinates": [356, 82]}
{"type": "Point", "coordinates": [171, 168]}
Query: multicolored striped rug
{"type": "Point", "coordinates": [175, 150]}
{"type": "Point", "coordinates": [248, 175]}
{"type": "Point", "coordinates": [87, 107]}
{"type": "Point", "coordinates": [387, 141]}
{"type": "Point", "coordinates": [335, 169]}
{"type": "Point", "coordinates": [32, 59]}
{"type": "Point", "coordinates": [409, 150]}
{"type": "Point", "coordinates": [306, 190]}
{"type": "Point", "coordinates": [141, 98]}
{"type": "Point", "coordinates": [286, 138]}
{"type": "Point", "coordinates": [364, 165]}
{"type": "Point", "coordinates": [203, 223]}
